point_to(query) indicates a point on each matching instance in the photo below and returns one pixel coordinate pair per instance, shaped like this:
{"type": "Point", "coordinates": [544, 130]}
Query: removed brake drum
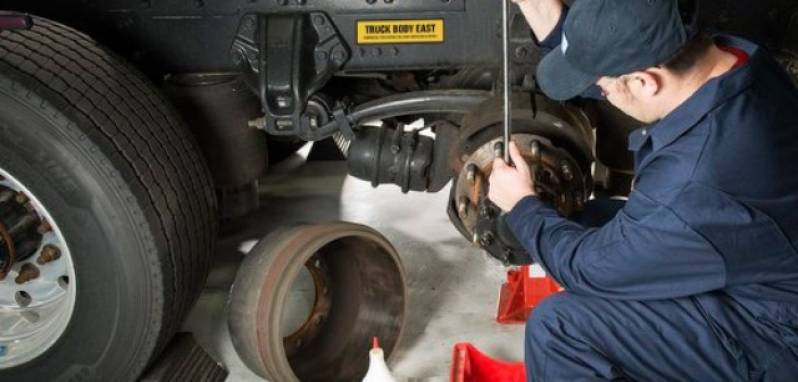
{"type": "Point", "coordinates": [308, 299]}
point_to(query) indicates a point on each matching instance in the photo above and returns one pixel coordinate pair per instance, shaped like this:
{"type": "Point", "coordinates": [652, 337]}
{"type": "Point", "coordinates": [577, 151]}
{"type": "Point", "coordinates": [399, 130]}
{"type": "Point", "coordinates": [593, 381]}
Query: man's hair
{"type": "Point", "coordinates": [692, 52]}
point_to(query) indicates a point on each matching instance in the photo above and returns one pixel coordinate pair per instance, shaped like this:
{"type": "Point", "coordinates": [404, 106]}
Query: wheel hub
{"type": "Point", "coordinates": [37, 276]}
{"type": "Point", "coordinates": [558, 180]}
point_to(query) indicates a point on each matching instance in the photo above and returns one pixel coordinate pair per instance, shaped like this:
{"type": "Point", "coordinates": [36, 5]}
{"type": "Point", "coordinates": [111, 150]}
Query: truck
{"type": "Point", "coordinates": [132, 130]}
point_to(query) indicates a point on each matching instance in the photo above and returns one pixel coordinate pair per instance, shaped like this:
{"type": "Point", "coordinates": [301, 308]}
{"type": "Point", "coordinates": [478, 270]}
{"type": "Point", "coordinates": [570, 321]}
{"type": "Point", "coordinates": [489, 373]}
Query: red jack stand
{"type": "Point", "coordinates": [525, 288]}
{"type": "Point", "coordinates": [471, 365]}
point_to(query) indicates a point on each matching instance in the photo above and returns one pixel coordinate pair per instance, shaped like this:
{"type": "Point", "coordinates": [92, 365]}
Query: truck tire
{"type": "Point", "coordinates": [100, 152]}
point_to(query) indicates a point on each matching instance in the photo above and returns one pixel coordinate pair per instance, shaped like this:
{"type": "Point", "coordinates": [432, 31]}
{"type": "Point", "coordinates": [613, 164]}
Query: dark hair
{"type": "Point", "coordinates": [687, 57]}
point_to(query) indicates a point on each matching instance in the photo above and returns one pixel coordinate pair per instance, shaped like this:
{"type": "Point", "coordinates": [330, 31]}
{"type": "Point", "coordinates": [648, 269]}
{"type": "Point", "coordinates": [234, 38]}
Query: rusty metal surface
{"type": "Point", "coordinates": [360, 293]}
{"type": "Point", "coordinates": [556, 140]}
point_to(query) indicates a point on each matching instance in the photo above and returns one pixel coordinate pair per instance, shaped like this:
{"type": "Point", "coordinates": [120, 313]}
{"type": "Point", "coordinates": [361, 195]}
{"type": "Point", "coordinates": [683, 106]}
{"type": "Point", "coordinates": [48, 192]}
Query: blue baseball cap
{"type": "Point", "coordinates": [611, 38]}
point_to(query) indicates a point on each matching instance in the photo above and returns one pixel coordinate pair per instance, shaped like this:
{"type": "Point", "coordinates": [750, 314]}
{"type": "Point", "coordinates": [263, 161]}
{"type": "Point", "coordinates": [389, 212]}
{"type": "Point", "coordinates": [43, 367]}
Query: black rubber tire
{"type": "Point", "coordinates": [102, 150]}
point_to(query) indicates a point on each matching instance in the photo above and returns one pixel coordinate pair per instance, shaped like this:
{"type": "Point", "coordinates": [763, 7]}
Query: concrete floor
{"type": "Point", "coordinates": [453, 287]}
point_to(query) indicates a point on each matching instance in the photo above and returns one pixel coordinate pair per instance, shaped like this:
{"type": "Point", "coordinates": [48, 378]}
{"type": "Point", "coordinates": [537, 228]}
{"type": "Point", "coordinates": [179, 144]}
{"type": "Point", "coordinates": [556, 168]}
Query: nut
{"type": "Point", "coordinates": [27, 273]}
{"type": "Point", "coordinates": [49, 253]}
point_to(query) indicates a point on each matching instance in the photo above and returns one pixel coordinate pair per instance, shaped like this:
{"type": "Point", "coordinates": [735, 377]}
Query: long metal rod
{"type": "Point", "coordinates": [506, 75]}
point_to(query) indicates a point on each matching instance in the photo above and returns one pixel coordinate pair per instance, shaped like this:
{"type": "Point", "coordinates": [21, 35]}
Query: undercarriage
{"type": "Point", "coordinates": [409, 92]}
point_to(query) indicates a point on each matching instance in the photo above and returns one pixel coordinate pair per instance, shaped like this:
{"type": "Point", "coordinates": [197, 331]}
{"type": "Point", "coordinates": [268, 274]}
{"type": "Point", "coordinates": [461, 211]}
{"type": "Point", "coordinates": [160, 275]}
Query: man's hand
{"type": "Point", "coordinates": [541, 15]}
{"type": "Point", "coordinates": [508, 185]}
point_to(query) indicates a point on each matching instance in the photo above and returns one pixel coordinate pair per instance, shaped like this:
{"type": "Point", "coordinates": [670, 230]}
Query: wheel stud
{"type": "Point", "coordinates": [462, 206]}
{"type": "Point", "coordinates": [498, 150]}
{"type": "Point", "coordinates": [471, 172]}
{"type": "Point", "coordinates": [21, 198]}
{"type": "Point", "coordinates": [49, 254]}
{"type": "Point", "coordinates": [534, 150]}
{"type": "Point", "coordinates": [43, 227]}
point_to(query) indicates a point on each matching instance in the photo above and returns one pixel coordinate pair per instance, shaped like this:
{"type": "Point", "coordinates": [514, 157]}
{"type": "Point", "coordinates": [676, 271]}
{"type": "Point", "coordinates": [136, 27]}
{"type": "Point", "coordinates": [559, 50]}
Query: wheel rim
{"type": "Point", "coordinates": [37, 295]}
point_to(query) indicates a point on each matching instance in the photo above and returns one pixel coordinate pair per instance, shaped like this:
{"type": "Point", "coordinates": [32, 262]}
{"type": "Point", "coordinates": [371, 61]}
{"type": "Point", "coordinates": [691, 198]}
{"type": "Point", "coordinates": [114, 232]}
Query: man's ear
{"type": "Point", "coordinates": [647, 83]}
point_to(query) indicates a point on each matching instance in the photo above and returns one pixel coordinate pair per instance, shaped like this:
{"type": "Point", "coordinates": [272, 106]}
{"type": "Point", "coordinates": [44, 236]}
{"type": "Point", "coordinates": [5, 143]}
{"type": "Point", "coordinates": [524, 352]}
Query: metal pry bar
{"type": "Point", "coordinates": [506, 76]}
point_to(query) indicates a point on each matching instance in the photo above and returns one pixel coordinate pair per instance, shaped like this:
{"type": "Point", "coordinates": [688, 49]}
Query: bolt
{"type": "Point", "coordinates": [471, 172]}
{"type": "Point", "coordinates": [521, 52]}
{"type": "Point", "coordinates": [462, 205]}
{"type": "Point", "coordinates": [43, 227]}
{"type": "Point", "coordinates": [498, 150]}
{"type": "Point", "coordinates": [486, 239]}
{"type": "Point", "coordinates": [284, 102]}
{"type": "Point", "coordinates": [321, 55]}
{"type": "Point", "coordinates": [301, 2]}
{"type": "Point", "coordinates": [371, 1]}
{"type": "Point", "coordinates": [27, 273]}
{"type": "Point", "coordinates": [395, 51]}
{"type": "Point", "coordinates": [338, 55]}
{"type": "Point", "coordinates": [257, 123]}
{"type": "Point", "coordinates": [318, 20]}
{"type": "Point", "coordinates": [534, 148]}
{"type": "Point", "coordinates": [376, 52]}
{"type": "Point", "coordinates": [566, 171]}
{"type": "Point", "coordinates": [388, 1]}
{"type": "Point", "coordinates": [49, 254]}
{"type": "Point", "coordinates": [21, 198]}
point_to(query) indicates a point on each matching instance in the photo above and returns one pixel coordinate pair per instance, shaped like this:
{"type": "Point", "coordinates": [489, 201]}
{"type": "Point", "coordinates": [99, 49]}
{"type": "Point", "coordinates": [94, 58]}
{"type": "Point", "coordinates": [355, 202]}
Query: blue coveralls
{"type": "Point", "coordinates": [696, 278]}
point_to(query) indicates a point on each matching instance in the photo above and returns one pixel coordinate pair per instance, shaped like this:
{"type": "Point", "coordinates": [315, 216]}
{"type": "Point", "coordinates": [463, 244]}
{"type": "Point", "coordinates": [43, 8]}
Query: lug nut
{"type": "Point", "coordinates": [49, 253]}
{"type": "Point", "coordinates": [566, 171]}
{"type": "Point", "coordinates": [498, 150]}
{"type": "Point", "coordinates": [534, 150]}
{"type": "Point", "coordinates": [21, 198]}
{"type": "Point", "coordinates": [43, 227]}
{"type": "Point", "coordinates": [471, 172]}
{"type": "Point", "coordinates": [27, 273]}
{"type": "Point", "coordinates": [462, 205]}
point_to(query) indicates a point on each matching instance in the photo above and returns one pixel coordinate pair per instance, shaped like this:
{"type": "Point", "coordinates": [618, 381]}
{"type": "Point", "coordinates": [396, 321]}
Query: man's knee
{"type": "Point", "coordinates": [547, 317]}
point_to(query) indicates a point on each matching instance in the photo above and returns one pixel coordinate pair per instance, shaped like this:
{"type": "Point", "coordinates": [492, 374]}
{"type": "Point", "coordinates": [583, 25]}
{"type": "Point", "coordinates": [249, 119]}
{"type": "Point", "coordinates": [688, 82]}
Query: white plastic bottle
{"type": "Point", "coordinates": [378, 370]}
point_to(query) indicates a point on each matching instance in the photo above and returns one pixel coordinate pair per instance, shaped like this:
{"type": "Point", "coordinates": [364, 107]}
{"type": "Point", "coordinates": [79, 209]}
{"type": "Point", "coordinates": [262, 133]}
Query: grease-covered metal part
{"type": "Point", "coordinates": [558, 179]}
{"type": "Point", "coordinates": [556, 140]}
{"type": "Point", "coordinates": [353, 283]}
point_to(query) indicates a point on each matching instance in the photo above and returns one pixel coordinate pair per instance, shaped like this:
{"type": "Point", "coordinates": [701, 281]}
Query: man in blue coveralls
{"type": "Point", "coordinates": [696, 277]}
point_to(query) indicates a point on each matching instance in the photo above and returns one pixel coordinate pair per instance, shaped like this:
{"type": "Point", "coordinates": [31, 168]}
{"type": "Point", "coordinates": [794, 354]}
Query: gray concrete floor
{"type": "Point", "coordinates": [453, 287]}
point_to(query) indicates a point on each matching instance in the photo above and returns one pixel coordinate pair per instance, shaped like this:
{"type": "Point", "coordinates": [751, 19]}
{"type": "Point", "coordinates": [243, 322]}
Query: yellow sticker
{"type": "Point", "coordinates": [399, 31]}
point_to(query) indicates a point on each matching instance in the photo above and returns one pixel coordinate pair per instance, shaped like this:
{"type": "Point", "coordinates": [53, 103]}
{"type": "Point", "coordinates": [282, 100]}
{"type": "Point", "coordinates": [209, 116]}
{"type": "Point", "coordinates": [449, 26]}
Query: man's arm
{"type": "Point", "coordinates": [646, 252]}
{"type": "Point", "coordinates": [543, 16]}
{"type": "Point", "coordinates": [546, 18]}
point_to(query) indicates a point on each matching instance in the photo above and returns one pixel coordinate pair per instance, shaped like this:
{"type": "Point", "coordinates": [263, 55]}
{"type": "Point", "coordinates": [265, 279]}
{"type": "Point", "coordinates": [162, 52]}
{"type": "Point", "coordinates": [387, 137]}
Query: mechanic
{"type": "Point", "coordinates": [696, 277]}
